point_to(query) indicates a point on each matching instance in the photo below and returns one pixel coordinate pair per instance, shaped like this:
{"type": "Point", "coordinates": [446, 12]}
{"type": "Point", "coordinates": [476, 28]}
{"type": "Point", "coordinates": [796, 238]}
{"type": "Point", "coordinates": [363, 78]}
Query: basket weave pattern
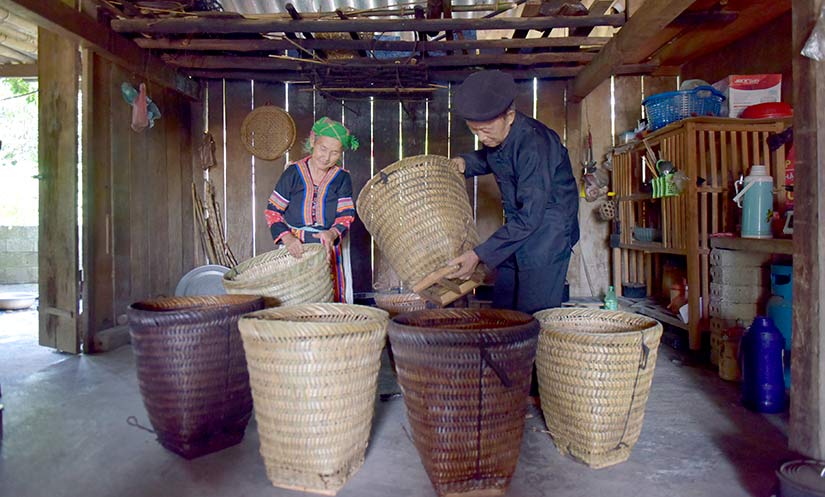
{"type": "Point", "coordinates": [192, 370]}
{"type": "Point", "coordinates": [283, 279]}
{"type": "Point", "coordinates": [595, 369]}
{"type": "Point", "coordinates": [418, 212]}
{"type": "Point", "coordinates": [399, 303]}
{"type": "Point", "coordinates": [268, 132]}
{"type": "Point", "coordinates": [465, 374]}
{"type": "Point", "coordinates": [313, 370]}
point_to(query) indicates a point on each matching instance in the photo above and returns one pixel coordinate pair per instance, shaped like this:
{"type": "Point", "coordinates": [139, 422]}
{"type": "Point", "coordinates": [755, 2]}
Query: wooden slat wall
{"type": "Point", "coordinates": [413, 129]}
{"type": "Point", "coordinates": [141, 212]}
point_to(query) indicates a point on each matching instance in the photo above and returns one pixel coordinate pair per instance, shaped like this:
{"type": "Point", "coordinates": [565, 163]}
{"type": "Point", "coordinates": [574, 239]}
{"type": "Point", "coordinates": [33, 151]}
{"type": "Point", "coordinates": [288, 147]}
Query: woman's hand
{"type": "Point", "coordinates": [327, 237]}
{"type": "Point", "coordinates": [293, 245]}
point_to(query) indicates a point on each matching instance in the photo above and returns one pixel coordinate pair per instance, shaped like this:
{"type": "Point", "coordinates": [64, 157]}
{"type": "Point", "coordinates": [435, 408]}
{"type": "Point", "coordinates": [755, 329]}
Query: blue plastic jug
{"type": "Point", "coordinates": [780, 309]}
{"type": "Point", "coordinates": [756, 200]}
{"type": "Point", "coordinates": [763, 383]}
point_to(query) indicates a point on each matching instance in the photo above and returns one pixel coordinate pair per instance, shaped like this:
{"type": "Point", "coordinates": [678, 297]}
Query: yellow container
{"type": "Point", "coordinates": [729, 354]}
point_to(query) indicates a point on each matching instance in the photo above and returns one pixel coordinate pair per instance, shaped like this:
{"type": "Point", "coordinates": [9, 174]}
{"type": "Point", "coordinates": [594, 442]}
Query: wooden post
{"type": "Point", "coordinates": [807, 423]}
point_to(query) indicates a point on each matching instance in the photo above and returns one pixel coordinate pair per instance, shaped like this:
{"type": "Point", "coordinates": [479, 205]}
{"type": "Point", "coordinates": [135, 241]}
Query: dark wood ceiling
{"type": "Point", "coordinates": [349, 50]}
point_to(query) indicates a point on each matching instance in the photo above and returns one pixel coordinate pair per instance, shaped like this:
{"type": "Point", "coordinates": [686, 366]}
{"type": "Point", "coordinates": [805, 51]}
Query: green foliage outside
{"type": "Point", "coordinates": [18, 152]}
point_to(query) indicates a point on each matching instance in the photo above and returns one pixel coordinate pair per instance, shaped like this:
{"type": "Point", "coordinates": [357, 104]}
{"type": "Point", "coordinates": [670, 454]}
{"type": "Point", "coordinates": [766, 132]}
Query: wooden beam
{"type": "Point", "coordinates": [441, 75]}
{"type": "Point", "coordinates": [623, 47]}
{"type": "Point", "coordinates": [205, 44]}
{"type": "Point", "coordinates": [67, 22]}
{"type": "Point", "coordinates": [202, 25]}
{"type": "Point", "coordinates": [353, 35]}
{"type": "Point", "coordinates": [807, 421]}
{"type": "Point", "coordinates": [257, 63]}
{"type": "Point", "coordinates": [18, 70]}
{"type": "Point", "coordinates": [707, 38]}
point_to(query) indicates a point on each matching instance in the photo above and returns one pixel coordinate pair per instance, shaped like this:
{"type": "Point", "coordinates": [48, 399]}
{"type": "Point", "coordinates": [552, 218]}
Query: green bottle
{"type": "Point", "coordinates": [611, 303]}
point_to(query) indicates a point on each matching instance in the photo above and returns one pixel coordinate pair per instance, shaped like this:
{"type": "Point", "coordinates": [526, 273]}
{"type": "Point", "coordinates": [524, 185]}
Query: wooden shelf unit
{"type": "Point", "coordinates": [712, 151]}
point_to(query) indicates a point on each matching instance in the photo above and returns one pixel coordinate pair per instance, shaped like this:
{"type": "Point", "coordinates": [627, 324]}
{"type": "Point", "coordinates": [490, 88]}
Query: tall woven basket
{"type": "Point", "coordinates": [399, 303]}
{"type": "Point", "coordinates": [418, 212]}
{"type": "Point", "coordinates": [192, 370]}
{"type": "Point", "coordinates": [595, 368]}
{"type": "Point", "coordinates": [465, 375]}
{"type": "Point", "coordinates": [282, 279]}
{"type": "Point", "coordinates": [313, 370]}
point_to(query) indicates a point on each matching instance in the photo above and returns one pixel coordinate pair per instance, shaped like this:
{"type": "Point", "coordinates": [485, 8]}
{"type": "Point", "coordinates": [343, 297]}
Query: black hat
{"type": "Point", "coordinates": [484, 95]}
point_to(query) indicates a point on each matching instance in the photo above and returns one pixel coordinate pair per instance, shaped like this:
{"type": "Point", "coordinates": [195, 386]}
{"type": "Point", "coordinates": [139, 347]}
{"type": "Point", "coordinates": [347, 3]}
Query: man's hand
{"type": "Point", "coordinates": [293, 245]}
{"type": "Point", "coordinates": [459, 164]}
{"type": "Point", "coordinates": [467, 263]}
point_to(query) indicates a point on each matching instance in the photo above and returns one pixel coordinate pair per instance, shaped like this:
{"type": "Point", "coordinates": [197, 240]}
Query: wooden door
{"type": "Point", "coordinates": [58, 66]}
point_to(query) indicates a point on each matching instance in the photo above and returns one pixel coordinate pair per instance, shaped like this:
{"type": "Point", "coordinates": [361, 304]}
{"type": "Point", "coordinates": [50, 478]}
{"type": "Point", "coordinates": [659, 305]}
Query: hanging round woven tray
{"type": "Point", "coordinates": [594, 369]}
{"type": "Point", "coordinates": [418, 212]}
{"type": "Point", "coordinates": [268, 132]}
{"type": "Point", "coordinates": [283, 279]}
{"type": "Point", "coordinates": [313, 369]}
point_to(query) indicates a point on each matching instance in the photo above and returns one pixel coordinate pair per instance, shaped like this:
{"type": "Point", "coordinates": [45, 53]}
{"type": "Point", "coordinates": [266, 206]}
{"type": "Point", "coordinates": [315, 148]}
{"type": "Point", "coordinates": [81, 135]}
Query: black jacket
{"type": "Point", "coordinates": [539, 192]}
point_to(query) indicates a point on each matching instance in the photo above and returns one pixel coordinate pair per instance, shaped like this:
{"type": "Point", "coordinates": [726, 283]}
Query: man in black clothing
{"type": "Point", "coordinates": [532, 249]}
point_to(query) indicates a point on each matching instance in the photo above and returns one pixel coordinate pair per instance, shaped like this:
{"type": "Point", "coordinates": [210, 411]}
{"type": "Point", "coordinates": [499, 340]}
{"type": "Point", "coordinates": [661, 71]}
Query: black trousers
{"type": "Point", "coordinates": [531, 290]}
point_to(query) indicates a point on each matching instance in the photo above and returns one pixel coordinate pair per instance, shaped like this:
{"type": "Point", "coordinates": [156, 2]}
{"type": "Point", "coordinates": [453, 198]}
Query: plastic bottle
{"type": "Point", "coordinates": [611, 303]}
{"type": "Point", "coordinates": [763, 383]}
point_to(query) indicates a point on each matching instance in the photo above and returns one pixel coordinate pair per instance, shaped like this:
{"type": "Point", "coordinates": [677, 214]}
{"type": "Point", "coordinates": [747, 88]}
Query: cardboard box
{"type": "Point", "coordinates": [743, 90]}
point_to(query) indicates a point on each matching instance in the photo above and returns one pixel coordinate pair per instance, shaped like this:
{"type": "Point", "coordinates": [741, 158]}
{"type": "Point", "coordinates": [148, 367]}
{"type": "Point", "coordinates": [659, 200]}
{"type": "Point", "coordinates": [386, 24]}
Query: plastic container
{"type": "Point", "coordinates": [754, 195]}
{"type": "Point", "coordinates": [611, 303]}
{"type": "Point", "coordinates": [665, 108]}
{"type": "Point", "coordinates": [763, 383]}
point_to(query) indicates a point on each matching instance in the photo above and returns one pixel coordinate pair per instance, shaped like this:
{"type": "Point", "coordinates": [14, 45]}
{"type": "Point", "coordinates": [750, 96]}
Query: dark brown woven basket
{"type": "Point", "coordinates": [465, 375]}
{"type": "Point", "coordinates": [192, 370]}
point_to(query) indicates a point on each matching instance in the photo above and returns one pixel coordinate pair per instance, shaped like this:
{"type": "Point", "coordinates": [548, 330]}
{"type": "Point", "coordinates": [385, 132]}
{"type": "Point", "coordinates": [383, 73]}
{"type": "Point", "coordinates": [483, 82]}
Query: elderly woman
{"type": "Point", "coordinates": [312, 202]}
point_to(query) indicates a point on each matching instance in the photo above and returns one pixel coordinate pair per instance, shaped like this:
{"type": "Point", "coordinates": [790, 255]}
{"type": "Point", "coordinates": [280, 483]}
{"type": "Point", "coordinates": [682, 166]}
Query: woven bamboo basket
{"type": "Point", "coordinates": [283, 279]}
{"type": "Point", "coordinates": [313, 370]}
{"type": "Point", "coordinates": [192, 370]}
{"type": "Point", "coordinates": [418, 212]}
{"type": "Point", "coordinates": [465, 375]}
{"type": "Point", "coordinates": [595, 368]}
{"type": "Point", "coordinates": [399, 303]}
{"type": "Point", "coordinates": [268, 132]}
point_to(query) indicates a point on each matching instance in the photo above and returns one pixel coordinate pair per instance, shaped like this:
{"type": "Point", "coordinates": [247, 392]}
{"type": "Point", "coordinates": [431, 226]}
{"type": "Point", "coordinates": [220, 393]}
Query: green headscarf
{"type": "Point", "coordinates": [327, 127]}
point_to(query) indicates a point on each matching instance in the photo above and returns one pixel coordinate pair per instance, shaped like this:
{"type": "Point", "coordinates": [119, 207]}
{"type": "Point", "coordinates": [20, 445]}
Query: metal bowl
{"type": "Point", "coordinates": [11, 301]}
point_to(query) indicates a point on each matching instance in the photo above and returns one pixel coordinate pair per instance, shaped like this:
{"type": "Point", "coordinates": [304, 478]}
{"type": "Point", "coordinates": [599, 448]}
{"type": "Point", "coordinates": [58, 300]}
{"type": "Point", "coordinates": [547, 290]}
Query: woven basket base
{"type": "Point", "coordinates": [595, 461]}
{"type": "Point", "coordinates": [233, 435]}
{"type": "Point", "coordinates": [334, 483]}
{"type": "Point", "coordinates": [487, 492]}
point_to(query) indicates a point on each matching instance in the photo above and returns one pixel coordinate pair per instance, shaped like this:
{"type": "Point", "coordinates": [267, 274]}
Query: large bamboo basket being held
{"type": "Point", "coordinates": [465, 374]}
{"type": "Point", "coordinates": [595, 369]}
{"type": "Point", "coordinates": [283, 279]}
{"type": "Point", "coordinates": [313, 370]}
{"type": "Point", "coordinates": [192, 369]}
{"type": "Point", "coordinates": [418, 212]}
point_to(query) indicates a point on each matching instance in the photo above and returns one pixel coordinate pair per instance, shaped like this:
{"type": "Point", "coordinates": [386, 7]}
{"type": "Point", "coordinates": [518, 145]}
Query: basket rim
{"type": "Point", "coordinates": [194, 302]}
{"type": "Point", "coordinates": [516, 319]}
{"type": "Point", "coordinates": [547, 314]}
{"type": "Point", "coordinates": [670, 94]}
{"type": "Point", "coordinates": [400, 164]}
{"type": "Point", "coordinates": [230, 276]}
{"type": "Point", "coordinates": [274, 314]}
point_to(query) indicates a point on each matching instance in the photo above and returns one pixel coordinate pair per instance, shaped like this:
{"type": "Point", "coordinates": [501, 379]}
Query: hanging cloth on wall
{"type": "Point", "coordinates": [144, 111]}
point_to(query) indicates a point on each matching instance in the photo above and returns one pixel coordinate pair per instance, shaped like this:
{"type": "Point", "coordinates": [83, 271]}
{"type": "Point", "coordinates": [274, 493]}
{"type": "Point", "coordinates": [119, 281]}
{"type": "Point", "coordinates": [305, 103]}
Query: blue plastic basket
{"type": "Point", "coordinates": [665, 108]}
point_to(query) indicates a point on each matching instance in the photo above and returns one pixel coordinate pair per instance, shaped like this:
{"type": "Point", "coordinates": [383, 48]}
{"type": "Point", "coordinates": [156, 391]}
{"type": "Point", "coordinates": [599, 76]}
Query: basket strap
{"type": "Point", "coordinates": [643, 359]}
{"type": "Point", "coordinates": [502, 375]}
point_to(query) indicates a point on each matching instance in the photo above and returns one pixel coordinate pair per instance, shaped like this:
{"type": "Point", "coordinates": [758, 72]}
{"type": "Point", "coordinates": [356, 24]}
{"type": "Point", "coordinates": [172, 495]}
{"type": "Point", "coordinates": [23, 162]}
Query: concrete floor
{"type": "Point", "coordinates": [66, 434]}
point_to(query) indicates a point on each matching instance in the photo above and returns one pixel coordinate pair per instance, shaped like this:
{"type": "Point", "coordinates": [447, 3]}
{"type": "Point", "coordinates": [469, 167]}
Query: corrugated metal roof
{"type": "Point", "coordinates": [277, 6]}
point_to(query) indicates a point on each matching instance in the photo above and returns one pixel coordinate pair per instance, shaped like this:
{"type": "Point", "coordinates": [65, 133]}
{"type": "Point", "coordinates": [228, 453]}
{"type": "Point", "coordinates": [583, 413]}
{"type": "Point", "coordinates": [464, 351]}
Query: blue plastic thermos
{"type": "Point", "coordinates": [763, 382]}
{"type": "Point", "coordinates": [754, 194]}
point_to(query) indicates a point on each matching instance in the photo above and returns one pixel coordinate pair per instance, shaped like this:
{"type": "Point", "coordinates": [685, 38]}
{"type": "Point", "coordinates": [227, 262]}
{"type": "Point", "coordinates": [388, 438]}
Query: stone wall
{"type": "Point", "coordinates": [18, 254]}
